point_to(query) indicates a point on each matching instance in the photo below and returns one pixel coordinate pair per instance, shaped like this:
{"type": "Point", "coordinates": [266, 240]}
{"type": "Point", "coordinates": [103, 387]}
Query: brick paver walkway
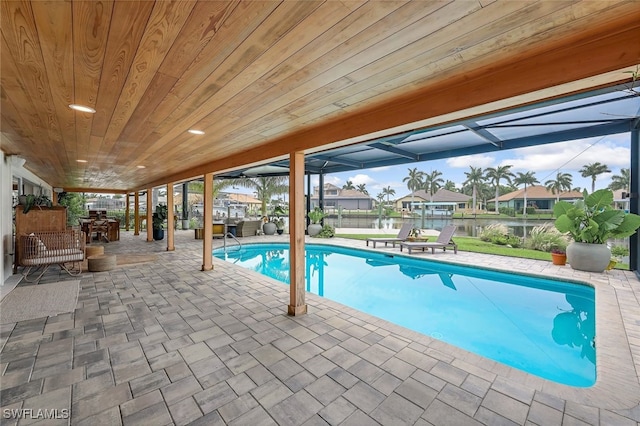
{"type": "Point", "coordinates": [164, 343]}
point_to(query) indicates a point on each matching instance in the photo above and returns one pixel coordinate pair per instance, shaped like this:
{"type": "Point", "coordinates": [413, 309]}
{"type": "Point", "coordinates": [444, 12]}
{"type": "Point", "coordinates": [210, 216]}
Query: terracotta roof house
{"type": "Point", "coordinates": [248, 200]}
{"type": "Point", "coordinates": [348, 199]}
{"type": "Point", "coordinates": [537, 196]}
{"type": "Point", "coordinates": [443, 199]}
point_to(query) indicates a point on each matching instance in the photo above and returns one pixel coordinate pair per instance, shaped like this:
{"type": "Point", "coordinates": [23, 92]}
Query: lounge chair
{"type": "Point", "coordinates": [403, 234]}
{"type": "Point", "coordinates": [444, 240]}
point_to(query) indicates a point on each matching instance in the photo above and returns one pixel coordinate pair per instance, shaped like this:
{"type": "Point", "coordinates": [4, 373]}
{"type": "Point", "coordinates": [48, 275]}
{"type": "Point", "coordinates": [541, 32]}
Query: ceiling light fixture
{"type": "Point", "coordinates": [81, 161]}
{"type": "Point", "coordinates": [196, 132]}
{"type": "Point", "coordinates": [82, 108]}
{"type": "Point", "coordinates": [141, 167]}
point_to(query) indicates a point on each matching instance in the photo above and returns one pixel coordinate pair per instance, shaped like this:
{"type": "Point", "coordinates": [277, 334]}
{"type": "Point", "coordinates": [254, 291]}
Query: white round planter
{"type": "Point", "coordinates": [269, 228]}
{"type": "Point", "coordinates": [588, 257]}
{"type": "Point", "coordinates": [314, 229]}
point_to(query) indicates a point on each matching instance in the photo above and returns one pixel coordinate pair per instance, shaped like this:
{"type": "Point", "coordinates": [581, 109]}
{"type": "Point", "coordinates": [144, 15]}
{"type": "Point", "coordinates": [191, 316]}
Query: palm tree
{"type": "Point", "coordinates": [449, 185]}
{"type": "Point", "coordinates": [432, 182]}
{"type": "Point", "coordinates": [621, 181]}
{"type": "Point", "coordinates": [474, 178]}
{"type": "Point", "coordinates": [348, 185]}
{"type": "Point", "coordinates": [414, 182]}
{"type": "Point", "coordinates": [593, 170]}
{"type": "Point", "coordinates": [494, 174]}
{"type": "Point", "coordinates": [562, 182]}
{"type": "Point", "coordinates": [525, 179]}
{"type": "Point", "coordinates": [265, 188]}
{"type": "Point", "coordinates": [361, 188]}
{"type": "Point", "coordinates": [197, 187]}
{"type": "Point", "coordinates": [388, 191]}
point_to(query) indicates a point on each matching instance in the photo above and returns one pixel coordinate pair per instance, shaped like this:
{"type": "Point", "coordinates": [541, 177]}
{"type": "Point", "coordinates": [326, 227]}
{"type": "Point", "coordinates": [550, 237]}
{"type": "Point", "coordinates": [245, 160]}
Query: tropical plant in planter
{"type": "Point", "coordinates": [279, 225]}
{"type": "Point", "coordinates": [315, 215]}
{"type": "Point", "coordinates": [159, 216]}
{"type": "Point", "coordinates": [558, 256]}
{"type": "Point", "coordinates": [591, 222]}
{"type": "Point", "coordinates": [31, 201]}
{"type": "Point", "coordinates": [275, 223]}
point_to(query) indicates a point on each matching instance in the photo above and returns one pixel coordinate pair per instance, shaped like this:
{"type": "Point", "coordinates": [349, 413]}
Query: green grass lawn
{"type": "Point", "coordinates": [476, 245]}
{"type": "Point", "coordinates": [473, 245]}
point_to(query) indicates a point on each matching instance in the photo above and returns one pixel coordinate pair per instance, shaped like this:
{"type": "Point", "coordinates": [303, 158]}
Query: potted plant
{"type": "Point", "coordinates": [414, 235]}
{"type": "Point", "coordinates": [315, 215]}
{"type": "Point", "coordinates": [558, 256]}
{"type": "Point", "coordinates": [275, 223]}
{"type": "Point", "coordinates": [279, 225]}
{"type": "Point", "coordinates": [159, 216]}
{"type": "Point", "coordinates": [327, 231]}
{"type": "Point", "coordinates": [591, 222]}
{"type": "Point", "coordinates": [35, 200]}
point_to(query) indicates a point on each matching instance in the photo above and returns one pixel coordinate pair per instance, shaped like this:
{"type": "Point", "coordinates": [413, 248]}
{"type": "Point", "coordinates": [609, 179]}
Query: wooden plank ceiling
{"type": "Point", "coordinates": [262, 78]}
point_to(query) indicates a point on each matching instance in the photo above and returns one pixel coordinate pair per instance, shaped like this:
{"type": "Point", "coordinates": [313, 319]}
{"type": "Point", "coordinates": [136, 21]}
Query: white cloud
{"type": "Point", "coordinates": [334, 180]}
{"type": "Point", "coordinates": [570, 157]}
{"type": "Point", "coordinates": [359, 179]}
{"type": "Point", "coordinates": [476, 160]}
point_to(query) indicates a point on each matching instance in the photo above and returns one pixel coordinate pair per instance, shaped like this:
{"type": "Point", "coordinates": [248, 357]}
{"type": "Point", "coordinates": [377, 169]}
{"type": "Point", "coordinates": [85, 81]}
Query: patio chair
{"type": "Point", "coordinates": [99, 227]}
{"type": "Point", "coordinates": [403, 234]}
{"type": "Point", "coordinates": [445, 239]}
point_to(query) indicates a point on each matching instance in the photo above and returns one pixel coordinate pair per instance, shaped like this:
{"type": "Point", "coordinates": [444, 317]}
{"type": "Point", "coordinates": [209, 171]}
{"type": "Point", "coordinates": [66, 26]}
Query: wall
{"type": "Point", "coordinates": [10, 167]}
{"type": "Point", "coordinates": [6, 218]}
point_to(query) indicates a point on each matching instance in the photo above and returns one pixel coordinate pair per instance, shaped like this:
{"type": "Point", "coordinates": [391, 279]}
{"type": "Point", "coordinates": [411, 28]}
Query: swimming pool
{"type": "Point", "coordinates": [544, 327]}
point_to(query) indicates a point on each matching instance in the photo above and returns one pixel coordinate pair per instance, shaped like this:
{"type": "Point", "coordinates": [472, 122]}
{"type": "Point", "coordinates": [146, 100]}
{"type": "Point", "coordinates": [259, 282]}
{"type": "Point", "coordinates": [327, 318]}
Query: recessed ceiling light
{"type": "Point", "coordinates": [81, 161]}
{"type": "Point", "coordinates": [196, 132]}
{"type": "Point", "coordinates": [141, 167]}
{"type": "Point", "coordinates": [82, 108]}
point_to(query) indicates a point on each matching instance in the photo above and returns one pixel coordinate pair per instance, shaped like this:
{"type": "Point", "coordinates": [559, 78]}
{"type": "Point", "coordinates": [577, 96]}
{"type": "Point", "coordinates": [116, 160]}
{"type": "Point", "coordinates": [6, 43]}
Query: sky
{"type": "Point", "coordinates": [544, 161]}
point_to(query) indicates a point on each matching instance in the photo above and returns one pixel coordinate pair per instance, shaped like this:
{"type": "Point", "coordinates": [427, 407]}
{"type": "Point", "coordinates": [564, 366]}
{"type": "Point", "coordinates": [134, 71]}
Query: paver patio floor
{"type": "Point", "coordinates": [165, 343]}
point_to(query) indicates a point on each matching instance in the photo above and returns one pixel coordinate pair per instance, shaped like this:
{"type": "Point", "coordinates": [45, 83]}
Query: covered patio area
{"type": "Point", "coordinates": [164, 343]}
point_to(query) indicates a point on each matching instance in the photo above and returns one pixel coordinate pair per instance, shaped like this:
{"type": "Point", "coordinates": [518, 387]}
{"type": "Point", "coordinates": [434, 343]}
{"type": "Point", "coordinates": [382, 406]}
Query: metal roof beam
{"type": "Point", "coordinates": [401, 152]}
{"type": "Point", "coordinates": [339, 160]}
{"type": "Point", "coordinates": [562, 136]}
{"type": "Point", "coordinates": [483, 133]}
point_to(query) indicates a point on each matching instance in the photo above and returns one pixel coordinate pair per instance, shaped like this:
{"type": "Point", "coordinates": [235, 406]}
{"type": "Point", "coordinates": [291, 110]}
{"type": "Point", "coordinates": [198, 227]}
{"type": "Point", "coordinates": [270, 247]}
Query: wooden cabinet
{"type": "Point", "coordinates": [37, 219]}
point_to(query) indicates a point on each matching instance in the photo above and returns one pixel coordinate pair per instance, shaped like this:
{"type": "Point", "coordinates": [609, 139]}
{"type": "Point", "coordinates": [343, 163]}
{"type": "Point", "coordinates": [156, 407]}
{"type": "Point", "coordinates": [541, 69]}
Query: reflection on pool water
{"type": "Point", "coordinates": [544, 327]}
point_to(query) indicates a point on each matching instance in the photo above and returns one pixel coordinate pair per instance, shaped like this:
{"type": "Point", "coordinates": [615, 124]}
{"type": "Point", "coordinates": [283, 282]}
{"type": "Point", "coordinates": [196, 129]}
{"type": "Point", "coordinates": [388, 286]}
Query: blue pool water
{"type": "Point", "coordinates": [544, 327]}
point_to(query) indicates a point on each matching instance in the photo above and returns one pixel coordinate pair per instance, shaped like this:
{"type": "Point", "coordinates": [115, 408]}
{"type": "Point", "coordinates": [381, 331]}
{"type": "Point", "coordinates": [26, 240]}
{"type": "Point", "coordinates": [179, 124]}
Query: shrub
{"type": "Point", "coordinates": [490, 232]}
{"type": "Point", "coordinates": [327, 231]}
{"type": "Point", "coordinates": [619, 251]}
{"type": "Point", "coordinates": [498, 233]}
{"type": "Point", "coordinates": [531, 210]}
{"type": "Point", "coordinates": [509, 211]}
{"type": "Point", "coordinates": [546, 237]}
{"type": "Point", "coordinates": [514, 241]}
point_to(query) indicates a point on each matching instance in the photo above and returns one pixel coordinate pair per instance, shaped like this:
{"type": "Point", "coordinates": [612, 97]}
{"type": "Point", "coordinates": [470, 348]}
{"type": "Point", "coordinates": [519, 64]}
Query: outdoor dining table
{"type": "Point", "coordinates": [112, 235]}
